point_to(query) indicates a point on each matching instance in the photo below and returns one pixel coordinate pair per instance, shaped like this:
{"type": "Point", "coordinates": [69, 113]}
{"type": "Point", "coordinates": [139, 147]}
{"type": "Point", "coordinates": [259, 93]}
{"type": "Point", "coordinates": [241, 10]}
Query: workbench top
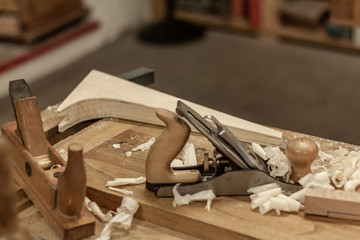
{"type": "Point", "coordinates": [229, 217]}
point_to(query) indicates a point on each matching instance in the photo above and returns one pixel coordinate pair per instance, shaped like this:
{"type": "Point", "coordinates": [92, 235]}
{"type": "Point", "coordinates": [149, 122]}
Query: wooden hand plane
{"type": "Point", "coordinates": [231, 171]}
{"type": "Point", "coordinates": [58, 192]}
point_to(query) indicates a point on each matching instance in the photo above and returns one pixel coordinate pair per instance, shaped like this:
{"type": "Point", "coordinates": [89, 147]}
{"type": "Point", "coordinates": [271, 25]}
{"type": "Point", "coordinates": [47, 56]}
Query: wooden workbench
{"type": "Point", "coordinates": [229, 218]}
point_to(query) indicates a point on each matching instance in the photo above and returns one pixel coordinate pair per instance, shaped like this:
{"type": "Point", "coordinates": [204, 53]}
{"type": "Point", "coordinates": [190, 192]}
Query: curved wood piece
{"type": "Point", "coordinates": [165, 149]}
{"type": "Point", "coordinates": [72, 183]}
{"type": "Point", "coordinates": [103, 95]}
{"type": "Point", "coordinates": [301, 152]}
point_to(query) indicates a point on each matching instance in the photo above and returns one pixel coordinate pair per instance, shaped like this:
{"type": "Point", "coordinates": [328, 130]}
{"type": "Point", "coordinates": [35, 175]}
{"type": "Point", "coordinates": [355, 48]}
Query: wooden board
{"type": "Point", "coordinates": [103, 95]}
{"type": "Point", "coordinates": [229, 218]}
{"type": "Point", "coordinates": [31, 219]}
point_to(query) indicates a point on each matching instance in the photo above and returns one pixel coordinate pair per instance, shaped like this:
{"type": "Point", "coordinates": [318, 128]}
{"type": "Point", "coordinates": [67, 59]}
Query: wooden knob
{"type": "Point", "coordinates": [301, 152]}
{"type": "Point", "coordinates": [72, 183]}
{"type": "Point", "coordinates": [165, 149]}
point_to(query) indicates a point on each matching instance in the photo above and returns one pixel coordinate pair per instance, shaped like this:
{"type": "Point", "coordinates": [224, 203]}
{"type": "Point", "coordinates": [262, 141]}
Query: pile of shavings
{"type": "Point", "coordinates": [339, 169]}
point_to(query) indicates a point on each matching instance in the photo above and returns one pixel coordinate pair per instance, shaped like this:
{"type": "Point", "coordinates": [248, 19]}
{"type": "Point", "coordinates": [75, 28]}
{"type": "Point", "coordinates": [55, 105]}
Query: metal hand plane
{"type": "Point", "coordinates": [232, 169]}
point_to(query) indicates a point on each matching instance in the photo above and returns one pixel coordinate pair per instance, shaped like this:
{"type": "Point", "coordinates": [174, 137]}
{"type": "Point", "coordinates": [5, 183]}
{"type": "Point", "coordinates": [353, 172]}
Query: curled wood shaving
{"type": "Point", "coordinates": [273, 199]}
{"type": "Point", "coordinates": [259, 150]}
{"type": "Point", "coordinates": [123, 191]}
{"type": "Point", "coordinates": [121, 221]}
{"type": "Point", "coordinates": [125, 181]}
{"type": "Point", "coordinates": [145, 146]}
{"type": "Point", "coordinates": [206, 195]}
{"type": "Point", "coordinates": [278, 164]}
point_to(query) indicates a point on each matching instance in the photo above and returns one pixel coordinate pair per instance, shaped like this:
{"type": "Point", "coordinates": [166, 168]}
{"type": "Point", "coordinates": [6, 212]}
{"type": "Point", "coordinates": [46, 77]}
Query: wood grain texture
{"type": "Point", "coordinates": [166, 148]}
{"type": "Point", "coordinates": [30, 125]}
{"type": "Point", "coordinates": [333, 203]}
{"type": "Point", "coordinates": [229, 218]}
{"type": "Point", "coordinates": [102, 95]}
{"type": "Point", "coordinates": [35, 222]}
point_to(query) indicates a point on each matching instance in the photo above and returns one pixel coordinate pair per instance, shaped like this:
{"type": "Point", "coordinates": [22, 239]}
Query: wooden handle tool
{"type": "Point", "coordinates": [60, 201]}
{"type": "Point", "coordinates": [301, 152]}
{"type": "Point", "coordinates": [167, 146]}
{"type": "Point", "coordinates": [72, 183]}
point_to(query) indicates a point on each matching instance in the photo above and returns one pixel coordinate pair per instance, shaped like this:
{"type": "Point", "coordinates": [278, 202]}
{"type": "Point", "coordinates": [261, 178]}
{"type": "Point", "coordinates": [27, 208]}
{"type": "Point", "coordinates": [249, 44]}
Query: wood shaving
{"type": "Point", "coordinates": [278, 164]}
{"type": "Point", "coordinates": [125, 181]}
{"type": "Point", "coordinates": [259, 150]}
{"type": "Point", "coordinates": [206, 195]}
{"type": "Point", "coordinates": [273, 199]}
{"type": "Point", "coordinates": [189, 156]}
{"type": "Point", "coordinates": [122, 219]}
{"type": "Point", "coordinates": [94, 207]}
{"type": "Point", "coordinates": [123, 191]}
{"type": "Point", "coordinates": [63, 153]}
{"type": "Point", "coordinates": [177, 163]}
{"type": "Point", "coordinates": [145, 146]}
{"type": "Point", "coordinates": [116, 145]}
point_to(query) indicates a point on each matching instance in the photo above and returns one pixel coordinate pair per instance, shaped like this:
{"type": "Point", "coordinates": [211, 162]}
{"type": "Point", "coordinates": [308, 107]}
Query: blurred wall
{"type": "Point", "coordinates": [115, 17]}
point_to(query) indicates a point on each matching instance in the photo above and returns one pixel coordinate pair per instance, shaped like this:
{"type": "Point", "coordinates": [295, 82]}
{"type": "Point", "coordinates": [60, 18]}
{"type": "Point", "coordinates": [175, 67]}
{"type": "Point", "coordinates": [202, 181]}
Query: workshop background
{"type": "Point", "coordinates": [280, 63]}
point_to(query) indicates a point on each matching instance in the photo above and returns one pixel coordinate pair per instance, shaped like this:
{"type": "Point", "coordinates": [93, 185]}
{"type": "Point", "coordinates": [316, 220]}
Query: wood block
{"type": "Point", "coordinates": [332, 203]}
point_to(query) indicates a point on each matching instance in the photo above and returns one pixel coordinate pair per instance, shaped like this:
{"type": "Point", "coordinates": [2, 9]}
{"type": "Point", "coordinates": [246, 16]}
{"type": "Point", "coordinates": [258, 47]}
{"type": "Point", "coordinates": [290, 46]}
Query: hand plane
{"type": "Point", "coordinates": [232, 170]}
{"type": "Point", "coordinates": [58, 193]}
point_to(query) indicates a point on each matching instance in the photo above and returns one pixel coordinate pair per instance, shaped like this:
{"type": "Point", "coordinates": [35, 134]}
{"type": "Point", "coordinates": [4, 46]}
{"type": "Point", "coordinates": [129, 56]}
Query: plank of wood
{"type": "Point", "coordinates": [33, 221]}
{"type": "Point", "coordinates": [333, 203]}
{"type": "Point", "coordinates": [102, 95]}
{"type": "Point", "coordinates": [229, 218]}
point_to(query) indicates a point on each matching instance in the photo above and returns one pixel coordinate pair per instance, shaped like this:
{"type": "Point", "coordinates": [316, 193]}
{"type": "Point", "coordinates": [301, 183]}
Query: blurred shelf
{"type": "Point", "coordinates": [270, 27]}
{"type": "Point", "coordinates": [213, 21]}
{"type": "Point", "coordinates": [314, 36]}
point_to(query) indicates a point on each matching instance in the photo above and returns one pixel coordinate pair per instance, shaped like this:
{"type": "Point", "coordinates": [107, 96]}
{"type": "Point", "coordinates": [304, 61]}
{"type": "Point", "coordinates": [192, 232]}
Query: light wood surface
{"type": "Point", "coordinates": [333, 203]}
{"type": "Point", "coordinates": [229, 218]}
{"type": "Point", "coordinates": [103, 95]}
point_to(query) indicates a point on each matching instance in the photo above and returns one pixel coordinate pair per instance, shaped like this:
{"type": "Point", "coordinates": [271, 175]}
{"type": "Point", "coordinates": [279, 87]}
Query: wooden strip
{"type": "Point", "coordinates": [135, 102]}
